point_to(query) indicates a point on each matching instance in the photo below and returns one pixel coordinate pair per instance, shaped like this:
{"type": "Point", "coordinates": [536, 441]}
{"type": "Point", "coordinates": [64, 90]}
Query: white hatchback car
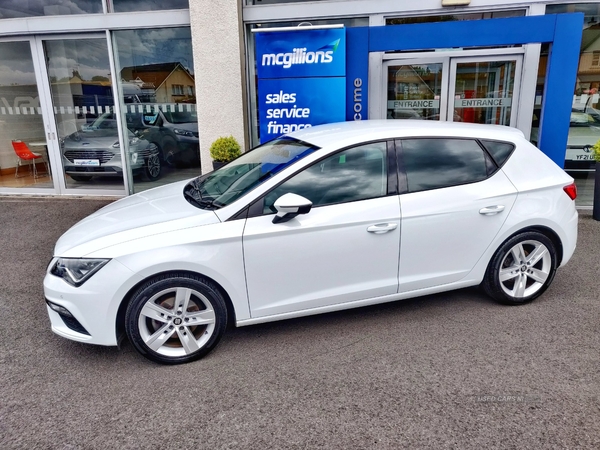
{"type": "Point", "coordinates": [328, 218]}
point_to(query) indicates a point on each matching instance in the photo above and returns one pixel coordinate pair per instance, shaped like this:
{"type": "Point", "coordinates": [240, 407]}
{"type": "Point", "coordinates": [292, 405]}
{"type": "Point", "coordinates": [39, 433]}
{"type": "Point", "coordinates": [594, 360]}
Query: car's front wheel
{"type": "Point", "coordinates": [521, 269]}
{"type": "Point", "coordinates": [176, 318]}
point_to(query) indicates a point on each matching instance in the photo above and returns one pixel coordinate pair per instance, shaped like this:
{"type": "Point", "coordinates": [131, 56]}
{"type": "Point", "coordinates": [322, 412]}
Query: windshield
{"type": "Point", "coordinates": [226, 185]}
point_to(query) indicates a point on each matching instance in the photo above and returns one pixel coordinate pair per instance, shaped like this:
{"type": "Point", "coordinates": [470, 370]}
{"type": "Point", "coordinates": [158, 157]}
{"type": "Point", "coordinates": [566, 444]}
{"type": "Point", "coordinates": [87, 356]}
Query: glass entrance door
{"type": "Point", "coordinates": [454, 89]}
{"type": "Point", "coordinates": [58, 127]}
{"type": "Point", "coordinates": [417, 90]}
{"type": "Point", "coordinates": [484, 90]}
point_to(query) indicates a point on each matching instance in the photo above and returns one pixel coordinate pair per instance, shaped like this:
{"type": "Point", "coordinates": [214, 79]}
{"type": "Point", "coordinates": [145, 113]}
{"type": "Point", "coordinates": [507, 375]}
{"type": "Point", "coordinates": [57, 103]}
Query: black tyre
{"type": "Point", "coordinates": [176, 318]}
{"type": "Point", "coordinates": [81, 177]}
{"type": "Point", "coordinates": [521, 269]}
{"type": "Point", "coordinates": [152, 167]}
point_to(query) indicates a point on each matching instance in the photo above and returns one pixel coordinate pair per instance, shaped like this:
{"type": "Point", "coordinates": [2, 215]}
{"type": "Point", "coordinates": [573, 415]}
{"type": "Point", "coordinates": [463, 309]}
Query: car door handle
{"type": "Point", "coordinates": [381, 228]}
{"type": "Point", "coordinates": [491, 210]}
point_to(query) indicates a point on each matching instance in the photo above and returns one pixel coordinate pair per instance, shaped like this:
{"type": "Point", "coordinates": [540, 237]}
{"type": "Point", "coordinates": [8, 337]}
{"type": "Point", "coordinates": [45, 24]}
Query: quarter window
{"type": "Point", "coordinates": [438, 163]}
{"type": "Point", "coordinates": [500, 151]}
{"type": "Point", "coordinates": [354, 174]}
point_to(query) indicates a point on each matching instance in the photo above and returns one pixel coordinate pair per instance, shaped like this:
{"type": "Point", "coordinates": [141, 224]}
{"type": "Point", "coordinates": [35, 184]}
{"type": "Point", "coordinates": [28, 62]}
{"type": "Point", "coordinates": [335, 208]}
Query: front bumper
{"type": "Point", "coordinates": [93, 306]}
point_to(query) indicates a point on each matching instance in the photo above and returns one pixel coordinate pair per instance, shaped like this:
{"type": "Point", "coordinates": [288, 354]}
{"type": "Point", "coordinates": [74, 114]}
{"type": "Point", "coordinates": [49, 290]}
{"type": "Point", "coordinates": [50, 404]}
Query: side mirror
{"type": "Point", "coordinates": [289, 206]}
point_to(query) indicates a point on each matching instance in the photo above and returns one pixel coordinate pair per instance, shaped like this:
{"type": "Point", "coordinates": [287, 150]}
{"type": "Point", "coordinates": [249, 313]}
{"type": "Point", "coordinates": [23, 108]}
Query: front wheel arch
{"type": "Point", "coordinates": [120, 319]}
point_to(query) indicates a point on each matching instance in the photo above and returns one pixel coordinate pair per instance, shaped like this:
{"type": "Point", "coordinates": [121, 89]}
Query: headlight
{"type": "Point", "coordinates": [76, 271]}
{"type": "Point", "coordinates": [182, 132]}
{"type": "Point", "coordinates": [132, 141]}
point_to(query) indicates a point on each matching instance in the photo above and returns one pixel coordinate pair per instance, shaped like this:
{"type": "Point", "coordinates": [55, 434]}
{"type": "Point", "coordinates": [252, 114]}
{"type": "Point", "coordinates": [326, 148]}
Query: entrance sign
{"type": "Point", "coordinates": [482, 102]}
{"type": "Point", "coordinates": [411, 104]}
{"type": "Point", "coordinates": [301, 79]}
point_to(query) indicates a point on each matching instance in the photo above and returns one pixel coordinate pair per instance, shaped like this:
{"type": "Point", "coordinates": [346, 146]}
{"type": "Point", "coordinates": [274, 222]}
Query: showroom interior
{"type": "Point", "coordinates": [114, 97]}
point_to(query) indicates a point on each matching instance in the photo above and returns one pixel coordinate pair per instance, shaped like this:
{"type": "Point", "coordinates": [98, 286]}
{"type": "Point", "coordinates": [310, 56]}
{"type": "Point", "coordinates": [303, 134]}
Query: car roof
{"type": "Point", "coordinates": [347, 133]}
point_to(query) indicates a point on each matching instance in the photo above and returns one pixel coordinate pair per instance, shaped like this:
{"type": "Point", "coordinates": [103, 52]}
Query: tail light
{"type": "Point", "coordinates": [571, 191]}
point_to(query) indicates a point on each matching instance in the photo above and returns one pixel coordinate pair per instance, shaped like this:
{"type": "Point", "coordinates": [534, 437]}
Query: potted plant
{"type": "Point", "coordinates": [223, 150]}
{"type": "Point", "coordinates": [596, 153]}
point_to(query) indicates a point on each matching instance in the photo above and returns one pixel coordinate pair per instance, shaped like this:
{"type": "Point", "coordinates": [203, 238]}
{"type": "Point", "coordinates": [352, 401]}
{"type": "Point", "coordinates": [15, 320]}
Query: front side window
{"type": "Point", "coordinates": [438, 163]}
{"type": "Point", "coordinates": [358, 173]}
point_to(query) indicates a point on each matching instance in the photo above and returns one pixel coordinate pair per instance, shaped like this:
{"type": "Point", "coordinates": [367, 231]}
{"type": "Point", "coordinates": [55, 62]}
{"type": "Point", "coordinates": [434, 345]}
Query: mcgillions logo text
{"type": "Point", "coordinates": [324, 55]}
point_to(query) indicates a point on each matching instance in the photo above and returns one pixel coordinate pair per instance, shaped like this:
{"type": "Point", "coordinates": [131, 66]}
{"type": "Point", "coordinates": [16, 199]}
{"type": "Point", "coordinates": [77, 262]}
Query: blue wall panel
{"type": "Point", "coordinates": [467, 33]}
{"type": "Point", "coordinates": [357, 73]}
{"type": "Point", "coordinates": [561, 76]}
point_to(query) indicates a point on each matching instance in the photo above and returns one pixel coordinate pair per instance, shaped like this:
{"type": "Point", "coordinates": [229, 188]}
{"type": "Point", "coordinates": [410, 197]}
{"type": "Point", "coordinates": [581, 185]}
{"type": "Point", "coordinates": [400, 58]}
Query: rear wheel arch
{"type": "Point", "coordinates": [120, 319]}
{"type": "Point", "coordinates": [550, 234]}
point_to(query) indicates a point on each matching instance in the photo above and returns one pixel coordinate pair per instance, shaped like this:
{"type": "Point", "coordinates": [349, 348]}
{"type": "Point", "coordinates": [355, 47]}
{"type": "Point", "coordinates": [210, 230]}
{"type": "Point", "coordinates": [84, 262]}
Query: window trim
{"type": "Point", "coordinates": [403, 176]}
{"type": "Point", "coordinates": [256, 208]}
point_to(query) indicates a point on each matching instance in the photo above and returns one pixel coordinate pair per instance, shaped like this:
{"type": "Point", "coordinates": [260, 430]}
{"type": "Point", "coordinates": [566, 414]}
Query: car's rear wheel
{"type": "Point", "coordinates": [152, 167]}
{"type": "Point", "coordinates": [177, 318]}
{"type": "Point", "coordinates": [521, 269]}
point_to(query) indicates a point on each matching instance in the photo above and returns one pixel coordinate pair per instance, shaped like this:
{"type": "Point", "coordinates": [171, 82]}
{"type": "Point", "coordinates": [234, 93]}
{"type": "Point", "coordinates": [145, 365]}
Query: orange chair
{"type": "Point", "coordinates": [24, 154]}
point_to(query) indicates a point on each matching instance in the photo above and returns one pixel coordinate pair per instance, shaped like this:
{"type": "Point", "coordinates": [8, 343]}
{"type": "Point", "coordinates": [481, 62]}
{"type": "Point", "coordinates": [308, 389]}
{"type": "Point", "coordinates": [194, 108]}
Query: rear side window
{"type": "Point", "coordinates": [500, 151]}
{"type": "Point", "coordinates": [442, 162]}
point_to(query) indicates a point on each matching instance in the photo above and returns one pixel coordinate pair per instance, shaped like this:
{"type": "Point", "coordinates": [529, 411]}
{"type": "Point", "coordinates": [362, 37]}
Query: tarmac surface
{"type": "Point", "coordinates": [454, 370]}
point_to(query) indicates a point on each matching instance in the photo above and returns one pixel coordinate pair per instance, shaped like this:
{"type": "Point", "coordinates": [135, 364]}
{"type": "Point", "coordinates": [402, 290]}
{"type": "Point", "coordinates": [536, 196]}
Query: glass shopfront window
{"type": "Point", "coordinates": [10, 9]}
{"type": "Point", "coordinates": [584, 129]}
{"type": "Point", "coordinates": [83, 106]}
{"type": "Point", "coordinates": [158, 103]}
{"type": "Point", "coordinates": [147, 5]}
{"type": "Point", "coordinates": [455, 17]}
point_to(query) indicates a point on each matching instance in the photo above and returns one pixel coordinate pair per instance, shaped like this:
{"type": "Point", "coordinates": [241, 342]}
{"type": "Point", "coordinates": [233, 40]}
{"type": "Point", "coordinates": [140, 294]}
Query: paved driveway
{"type": "Point", "coordinates": [444, 371]}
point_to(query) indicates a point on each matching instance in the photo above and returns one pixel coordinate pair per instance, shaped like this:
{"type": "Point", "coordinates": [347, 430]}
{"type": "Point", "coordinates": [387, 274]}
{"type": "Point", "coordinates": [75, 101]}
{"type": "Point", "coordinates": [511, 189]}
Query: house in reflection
{"type": "Point", "coordinates": [166, 83]}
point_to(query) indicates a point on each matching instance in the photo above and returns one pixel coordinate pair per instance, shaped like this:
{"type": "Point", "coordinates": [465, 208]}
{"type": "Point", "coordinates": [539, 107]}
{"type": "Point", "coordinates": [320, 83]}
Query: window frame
{"type": "Point", "coordinates": [256, 208]}
{"type": "Point", "coordinates": [403, 176]}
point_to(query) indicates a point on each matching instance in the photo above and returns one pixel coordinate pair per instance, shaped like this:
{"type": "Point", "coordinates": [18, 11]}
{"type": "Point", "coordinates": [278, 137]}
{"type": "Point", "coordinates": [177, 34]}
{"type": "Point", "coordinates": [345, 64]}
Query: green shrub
{"type": "Point", "coordinates": [596, 151]}
{"type": "Point", "coordinates": [224, 149]}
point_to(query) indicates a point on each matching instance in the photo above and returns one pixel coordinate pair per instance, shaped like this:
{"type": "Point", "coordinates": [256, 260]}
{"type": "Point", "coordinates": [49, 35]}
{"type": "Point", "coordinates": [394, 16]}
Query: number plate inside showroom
{"type": "Point", "coordinates": [86, 162]}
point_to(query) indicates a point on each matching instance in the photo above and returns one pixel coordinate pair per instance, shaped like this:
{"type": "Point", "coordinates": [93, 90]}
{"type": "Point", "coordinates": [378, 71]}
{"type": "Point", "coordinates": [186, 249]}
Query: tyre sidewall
{"type": "Point", "coordinates": [146, 291]}
{"type": "Point", "coordinates": [492, 284]}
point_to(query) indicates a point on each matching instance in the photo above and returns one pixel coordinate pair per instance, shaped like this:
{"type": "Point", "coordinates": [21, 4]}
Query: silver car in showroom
{"type": "Point", "coordinates": [95, 151]}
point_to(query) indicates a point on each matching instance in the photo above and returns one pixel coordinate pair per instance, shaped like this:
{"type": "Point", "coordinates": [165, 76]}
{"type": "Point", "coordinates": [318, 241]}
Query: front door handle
{"type": "Point", "coordinates": [491, 210]}
{"type": "Point", "coordinates": [381, 228]}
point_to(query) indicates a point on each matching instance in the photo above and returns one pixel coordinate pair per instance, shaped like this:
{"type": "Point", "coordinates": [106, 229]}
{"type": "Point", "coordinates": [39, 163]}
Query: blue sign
{"type": "Point", "coordinates": [301, 79]}
{"type": "Point", "coordinates": [291, 104]}
{"type": "Point", "coordinates": [301, 53]}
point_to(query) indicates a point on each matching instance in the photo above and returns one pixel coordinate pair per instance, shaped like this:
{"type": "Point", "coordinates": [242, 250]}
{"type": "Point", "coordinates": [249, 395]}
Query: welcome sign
{"type": "Point", "coordinates": [301, 79]}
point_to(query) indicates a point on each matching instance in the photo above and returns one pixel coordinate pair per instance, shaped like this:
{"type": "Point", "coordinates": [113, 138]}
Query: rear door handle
{"type": "Point", "coordinates": [381, 228]}
{"type": "Point", "coordinates": [491, 210]}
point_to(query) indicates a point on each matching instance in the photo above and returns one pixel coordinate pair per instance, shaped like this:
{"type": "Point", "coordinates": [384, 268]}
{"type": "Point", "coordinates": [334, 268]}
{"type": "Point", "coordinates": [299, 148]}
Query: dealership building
{"type": "Point", "coordinates": [113, 97]}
